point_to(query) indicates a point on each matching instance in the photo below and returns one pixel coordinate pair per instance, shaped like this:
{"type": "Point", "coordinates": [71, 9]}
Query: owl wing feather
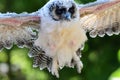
{"type": "Point", "coordinates": [101, 19]}
{"type": "Point", "coordinates": [18, 30]}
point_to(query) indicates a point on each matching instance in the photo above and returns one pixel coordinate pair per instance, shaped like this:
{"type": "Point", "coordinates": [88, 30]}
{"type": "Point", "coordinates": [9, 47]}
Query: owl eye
{"type": "Point", "coordinates": [72, 10]}
{"type": "Point", "coordinates": [60, 11]}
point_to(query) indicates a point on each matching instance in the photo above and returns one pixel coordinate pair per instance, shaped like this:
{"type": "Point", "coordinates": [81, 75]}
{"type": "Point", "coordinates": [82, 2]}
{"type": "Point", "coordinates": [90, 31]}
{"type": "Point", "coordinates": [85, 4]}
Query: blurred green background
{"type": "Point", "coordinates": [101, 56]}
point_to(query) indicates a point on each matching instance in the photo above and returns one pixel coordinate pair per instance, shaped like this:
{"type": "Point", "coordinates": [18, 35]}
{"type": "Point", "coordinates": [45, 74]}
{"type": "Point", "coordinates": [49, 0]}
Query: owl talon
{"type": "Point", "coordinates": [54, 70]}
{"type": "Point", "coordinates": [79, 66]}
{"type": "Point", "coordinates": [77, 62]}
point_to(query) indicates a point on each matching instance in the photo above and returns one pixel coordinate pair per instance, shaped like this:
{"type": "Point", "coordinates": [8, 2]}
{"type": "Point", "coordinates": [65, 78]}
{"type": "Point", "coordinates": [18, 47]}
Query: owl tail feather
{"type": "Point", "coordinates": [39, 58]}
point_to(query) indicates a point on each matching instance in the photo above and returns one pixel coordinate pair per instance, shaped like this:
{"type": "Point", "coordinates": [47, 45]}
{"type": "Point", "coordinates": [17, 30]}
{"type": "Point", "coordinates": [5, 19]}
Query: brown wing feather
{"type": "Point", "coordinates": [101, 19]}
{"type": "Point", "coordinates": [18, 30]}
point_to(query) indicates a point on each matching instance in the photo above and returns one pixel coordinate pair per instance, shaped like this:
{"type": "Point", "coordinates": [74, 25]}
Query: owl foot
{"type": "Point", "coordinates": [54, 69]}
{"type": "Point", "coordinates": [77, 62]}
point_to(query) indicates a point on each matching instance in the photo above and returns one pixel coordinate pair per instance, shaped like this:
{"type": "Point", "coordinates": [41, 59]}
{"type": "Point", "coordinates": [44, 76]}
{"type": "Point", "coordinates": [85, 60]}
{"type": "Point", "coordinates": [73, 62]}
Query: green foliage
{"type": "Point", "coordinates": [101, 56]}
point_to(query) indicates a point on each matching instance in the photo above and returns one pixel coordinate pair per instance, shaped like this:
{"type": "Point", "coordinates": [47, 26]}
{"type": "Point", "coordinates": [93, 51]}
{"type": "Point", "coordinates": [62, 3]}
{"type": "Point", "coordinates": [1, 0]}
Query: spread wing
{"type": "Point", "coordinates": [101, 19]}
{"type": "Point", "coordinates": [17, 29]}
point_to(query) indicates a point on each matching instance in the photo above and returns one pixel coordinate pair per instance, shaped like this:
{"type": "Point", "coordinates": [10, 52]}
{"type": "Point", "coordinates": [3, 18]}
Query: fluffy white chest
{"type": "Point", "coordinates": [62, 39]}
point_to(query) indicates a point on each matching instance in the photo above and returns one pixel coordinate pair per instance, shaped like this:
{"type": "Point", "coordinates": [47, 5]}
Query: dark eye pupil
{"type": "Point", "coordinates": [60, 11]}
{"type": "Point", "coordinates": [72, 10]}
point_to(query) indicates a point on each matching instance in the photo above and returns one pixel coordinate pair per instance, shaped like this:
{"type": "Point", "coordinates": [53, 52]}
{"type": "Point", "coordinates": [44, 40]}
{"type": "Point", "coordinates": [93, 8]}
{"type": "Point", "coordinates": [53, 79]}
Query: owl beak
{"type": "Point", "coordinates": [67, 16]}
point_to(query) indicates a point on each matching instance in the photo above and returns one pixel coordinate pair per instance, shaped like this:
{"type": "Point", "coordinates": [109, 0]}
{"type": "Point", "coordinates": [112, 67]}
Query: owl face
{"type": "Point", "coordinates": [63, 10]}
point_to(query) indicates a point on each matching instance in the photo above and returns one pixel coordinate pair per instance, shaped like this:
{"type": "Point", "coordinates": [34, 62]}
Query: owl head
{"type": "Point", "coordinates": [63, 10]}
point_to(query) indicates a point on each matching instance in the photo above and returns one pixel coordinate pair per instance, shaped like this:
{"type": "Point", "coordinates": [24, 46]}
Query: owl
{"type": "Point", "coordinates": [56, 33]}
